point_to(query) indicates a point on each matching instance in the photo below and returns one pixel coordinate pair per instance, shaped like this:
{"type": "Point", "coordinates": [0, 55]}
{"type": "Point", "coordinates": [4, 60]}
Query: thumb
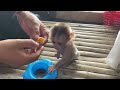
{"type": "Point", "coordinates": [35, 56]}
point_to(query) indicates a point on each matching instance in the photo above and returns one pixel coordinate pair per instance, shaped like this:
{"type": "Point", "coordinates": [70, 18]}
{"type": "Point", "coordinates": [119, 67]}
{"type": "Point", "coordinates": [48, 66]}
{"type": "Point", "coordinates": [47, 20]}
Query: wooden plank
{"type": "Point", "coordinates": [87, 67]}
{"type": "Point", "coordinates": [88, 32]}
{"type": "Point", "coordinates": [82, 26]}
{"type": "Point", "coordinates": [94, 32]}
{"type": "Point", "coordinates": [9, 73]}
{"type": "Point", "coordinates": [79, 67]}
{"type": "Point", "coordinates": [19, 73]}
{"type": "Point", "coordinates": [95, 29]}
{"type": "Point", "coordinates": [104, 42]}
{"type": "Point", "coordinates": [87, 27]}
{"type": "Point", "coordinates": [61, 76]}
{"type": "Point", "coordinates": [81, 62]}
{"type": "Point", "coordinates": [82, 53]}
{"type": "Point", "coordinates": [85, 44]}
{"type": "Point", "coordinates": [100, 35]}
{"type": "Point", "coordinates": [83, 48]}
{"type": "Point", "coordinates": [94, 41]}
{"type": "Point", "coordinates": [79, 24]}
{"type": "Point", "coordinates": [91, 59]}
{"type": "Point", "coordinates": [87, 75]}
{"type": "Point", "coordinates": [82, 58]}
{"type": "Point", "coordinates": [107, 32]}
{"type": "Point", "coordinates": [96, 37]}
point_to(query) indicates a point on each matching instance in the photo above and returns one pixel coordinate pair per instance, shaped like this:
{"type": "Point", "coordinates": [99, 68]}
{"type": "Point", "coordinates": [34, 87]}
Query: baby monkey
{"type": "Point", "coordinates": [62, 39]}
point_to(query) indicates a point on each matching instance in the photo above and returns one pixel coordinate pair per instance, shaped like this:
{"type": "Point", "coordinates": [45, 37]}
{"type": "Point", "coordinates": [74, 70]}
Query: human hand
{"type": "Point", "coordinates": [14, 51]}
{"type": "Point", "coordinates": [32, 26]}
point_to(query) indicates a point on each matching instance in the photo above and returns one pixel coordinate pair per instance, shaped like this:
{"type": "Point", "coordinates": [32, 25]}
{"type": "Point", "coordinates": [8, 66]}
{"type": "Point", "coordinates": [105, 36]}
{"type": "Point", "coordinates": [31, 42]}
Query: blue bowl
{"type": "Point", "coordinates": [39, 64]}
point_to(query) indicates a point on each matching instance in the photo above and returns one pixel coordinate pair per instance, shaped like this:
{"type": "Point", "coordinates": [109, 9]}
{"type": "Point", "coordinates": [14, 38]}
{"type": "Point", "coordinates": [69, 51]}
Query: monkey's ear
{"type": "Point", "coordinates": [71, 35]}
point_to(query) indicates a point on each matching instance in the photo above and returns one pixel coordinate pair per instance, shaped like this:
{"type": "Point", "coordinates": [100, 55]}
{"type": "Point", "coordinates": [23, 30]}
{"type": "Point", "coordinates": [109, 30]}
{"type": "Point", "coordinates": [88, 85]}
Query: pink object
{"type": "Point", "coordinates": [111, 18]}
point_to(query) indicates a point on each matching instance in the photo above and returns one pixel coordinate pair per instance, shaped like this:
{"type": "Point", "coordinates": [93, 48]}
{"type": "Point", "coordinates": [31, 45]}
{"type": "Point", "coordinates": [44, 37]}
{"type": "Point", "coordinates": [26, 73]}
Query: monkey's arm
{"type": "Point", "coordinates": [65, 59]}
{"type": "Point", "coordinates": [57, 55]}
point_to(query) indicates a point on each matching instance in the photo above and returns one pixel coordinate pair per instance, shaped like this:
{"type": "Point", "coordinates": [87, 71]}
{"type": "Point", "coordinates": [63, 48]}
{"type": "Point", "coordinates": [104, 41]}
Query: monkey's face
{"type": "Point", "coordinates": [59, 42]}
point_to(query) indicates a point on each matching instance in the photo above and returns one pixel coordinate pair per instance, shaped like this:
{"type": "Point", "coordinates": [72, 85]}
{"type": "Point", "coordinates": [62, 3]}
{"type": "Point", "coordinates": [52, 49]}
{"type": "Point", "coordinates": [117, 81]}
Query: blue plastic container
{"type": "Point", "coordinates": [39, 64]}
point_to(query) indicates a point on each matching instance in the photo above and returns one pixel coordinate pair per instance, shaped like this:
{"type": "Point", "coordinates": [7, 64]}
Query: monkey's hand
{"type": "Point", "coordinates": [57, 55]}
{"type": "Point", "coordinates": [51, 69]}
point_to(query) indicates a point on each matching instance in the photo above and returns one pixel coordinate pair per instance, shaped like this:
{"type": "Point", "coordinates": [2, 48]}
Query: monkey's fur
{"type": "Point", "coordinates": [61, 36]}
